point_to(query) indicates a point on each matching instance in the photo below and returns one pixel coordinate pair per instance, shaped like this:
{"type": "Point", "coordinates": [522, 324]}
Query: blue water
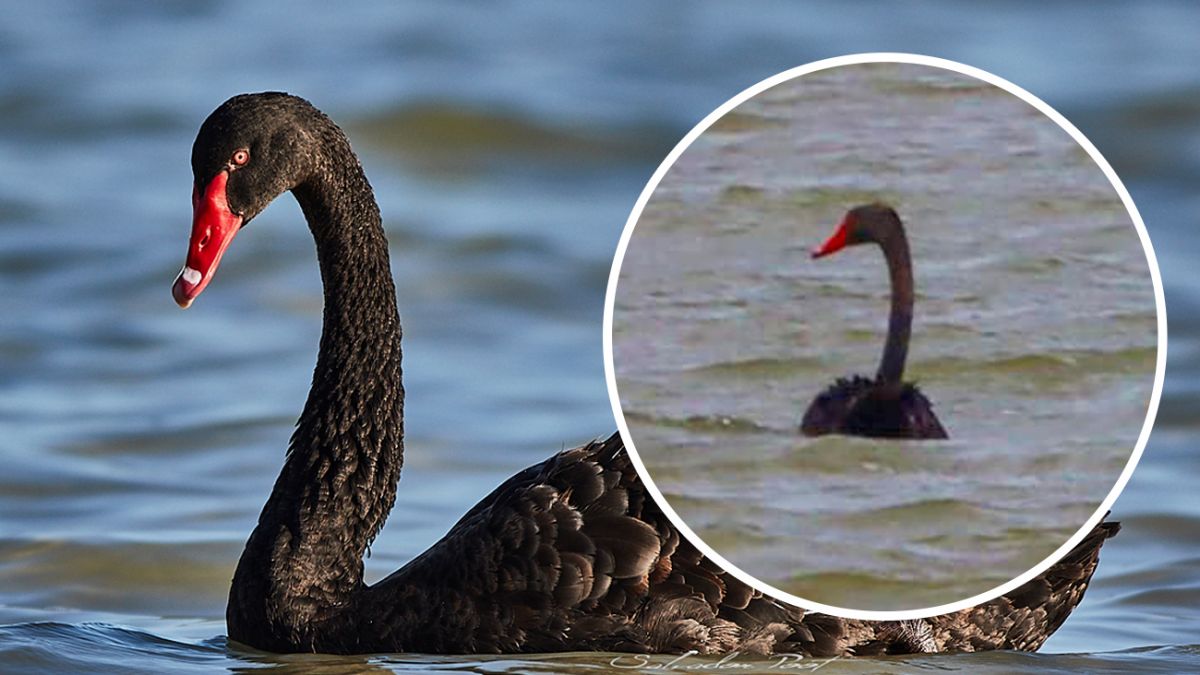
{"type": "Point", "coordinates": [507, 146]}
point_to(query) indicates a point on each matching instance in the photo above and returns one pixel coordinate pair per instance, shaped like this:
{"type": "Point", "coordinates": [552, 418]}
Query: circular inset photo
{"type": "Point", "coordinates": [887, 335]}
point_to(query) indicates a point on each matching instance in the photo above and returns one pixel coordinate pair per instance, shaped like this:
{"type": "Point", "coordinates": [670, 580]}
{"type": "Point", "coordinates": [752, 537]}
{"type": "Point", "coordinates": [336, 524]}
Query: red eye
{"type": "Point", "coordinates": [240, 157]}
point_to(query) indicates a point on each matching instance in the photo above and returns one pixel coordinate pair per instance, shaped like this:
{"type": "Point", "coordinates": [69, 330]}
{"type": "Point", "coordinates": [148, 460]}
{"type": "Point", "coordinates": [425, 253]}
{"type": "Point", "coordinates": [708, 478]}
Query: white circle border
{"type": "Point", "coordinates": [1045, 109]}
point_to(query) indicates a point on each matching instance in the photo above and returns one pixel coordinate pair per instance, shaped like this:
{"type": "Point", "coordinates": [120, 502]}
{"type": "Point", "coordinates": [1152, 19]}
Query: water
{"type": "Point", "coordinates": [507, 148]}
{"type": "Point", "coordinates": [1035, 336]}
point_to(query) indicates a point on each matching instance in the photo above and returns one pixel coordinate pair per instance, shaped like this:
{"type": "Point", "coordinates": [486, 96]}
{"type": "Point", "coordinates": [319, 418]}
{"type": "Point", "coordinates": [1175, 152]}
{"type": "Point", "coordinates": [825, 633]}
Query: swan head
{"type": "Point", "coordinates": [249, 151]}
{"type": "Point", "coordinates": [868, 223]}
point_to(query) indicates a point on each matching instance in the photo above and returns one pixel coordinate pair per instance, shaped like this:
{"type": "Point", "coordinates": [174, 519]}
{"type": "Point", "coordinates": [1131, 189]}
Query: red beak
{"type": "Point", "coordinates": [213, 227]}
{"type": "Point", "coordinates": [835, 242]}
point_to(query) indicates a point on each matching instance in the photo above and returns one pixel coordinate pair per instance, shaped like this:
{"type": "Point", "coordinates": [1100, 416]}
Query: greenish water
{"type": "Point", "coordinates": [1034, 335]}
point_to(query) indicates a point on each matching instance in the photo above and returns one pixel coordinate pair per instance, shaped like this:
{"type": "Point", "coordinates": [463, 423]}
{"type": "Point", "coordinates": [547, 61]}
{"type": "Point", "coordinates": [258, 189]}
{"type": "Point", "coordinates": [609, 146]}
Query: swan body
{"type": "Point", "coordinates": [860, 406]}
{"type": "Point", "coordinates": [570, 554]}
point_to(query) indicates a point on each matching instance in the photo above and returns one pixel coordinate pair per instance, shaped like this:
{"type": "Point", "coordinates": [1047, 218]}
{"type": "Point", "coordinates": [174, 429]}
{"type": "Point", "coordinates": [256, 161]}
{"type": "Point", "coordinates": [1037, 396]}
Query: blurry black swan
{"type": "Point", "coordinates": [885, 406]}
{"type": "Point", "coordinates": [570, 554]}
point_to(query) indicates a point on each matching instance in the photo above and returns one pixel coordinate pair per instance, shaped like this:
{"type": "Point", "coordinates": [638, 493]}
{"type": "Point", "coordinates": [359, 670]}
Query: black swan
{"type": "Point", "coordinates": [886, 406]}
{"type": "Point", "coordinates": [567, 555]}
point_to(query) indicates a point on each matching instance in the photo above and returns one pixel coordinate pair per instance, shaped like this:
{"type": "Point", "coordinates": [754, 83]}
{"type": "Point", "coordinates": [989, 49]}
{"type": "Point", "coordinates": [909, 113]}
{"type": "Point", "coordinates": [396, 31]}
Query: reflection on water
{"type": "Point", "coordinates": [139, 442]}
{"type": "Point", "coordinates": [1034, 335]}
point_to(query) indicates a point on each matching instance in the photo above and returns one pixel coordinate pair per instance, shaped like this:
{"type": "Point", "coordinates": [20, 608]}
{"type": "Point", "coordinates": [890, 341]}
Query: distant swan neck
{"type": "Point", "coordinates": [895, 350]}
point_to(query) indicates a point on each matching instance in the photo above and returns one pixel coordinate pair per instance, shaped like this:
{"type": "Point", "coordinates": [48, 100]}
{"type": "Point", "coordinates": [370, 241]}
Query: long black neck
{"type": "Point", "coordinates": [303, 564]}
{"type": "Point", "coordinates": [895, 350]}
